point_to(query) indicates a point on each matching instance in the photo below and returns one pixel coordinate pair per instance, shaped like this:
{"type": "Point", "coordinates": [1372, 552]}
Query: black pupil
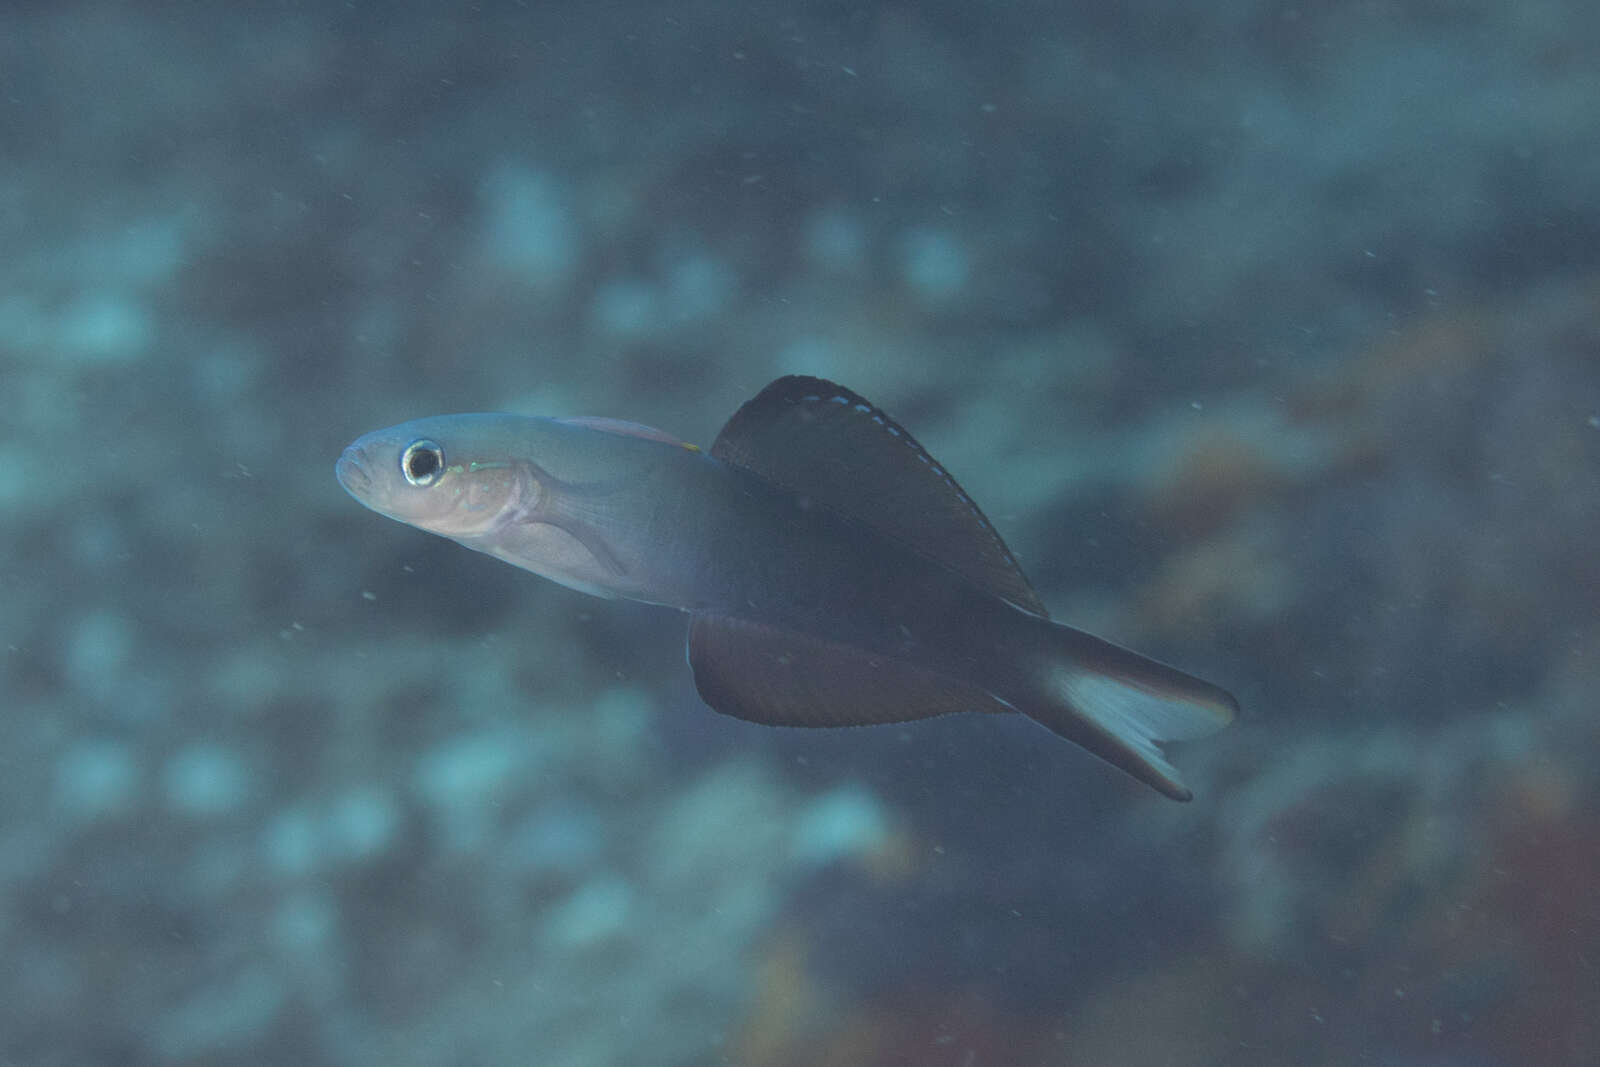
{"type": "Point", "coordinates": [423, 462]}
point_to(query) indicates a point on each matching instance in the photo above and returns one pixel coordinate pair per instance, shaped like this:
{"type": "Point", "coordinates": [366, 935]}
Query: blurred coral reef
{"type": "Point", "coordinates": [1269, 335]}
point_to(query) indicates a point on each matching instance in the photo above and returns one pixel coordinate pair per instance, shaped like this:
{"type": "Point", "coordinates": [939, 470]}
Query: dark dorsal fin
{"type": "Point", "coordinates": [822, 441]}
{"type": "Point", "coordinates": [779, 677]}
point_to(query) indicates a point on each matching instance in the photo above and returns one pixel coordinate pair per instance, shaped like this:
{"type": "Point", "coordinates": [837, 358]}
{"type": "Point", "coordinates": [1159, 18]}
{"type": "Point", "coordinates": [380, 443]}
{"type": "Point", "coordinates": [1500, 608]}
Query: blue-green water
{"type": "Point", "coordinates": [1267, 334]}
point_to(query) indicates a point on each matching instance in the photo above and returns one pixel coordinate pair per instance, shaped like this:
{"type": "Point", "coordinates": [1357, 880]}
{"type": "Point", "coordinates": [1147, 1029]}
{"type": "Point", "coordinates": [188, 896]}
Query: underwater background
{"type": "Point", "coordinates": [1268, 334]}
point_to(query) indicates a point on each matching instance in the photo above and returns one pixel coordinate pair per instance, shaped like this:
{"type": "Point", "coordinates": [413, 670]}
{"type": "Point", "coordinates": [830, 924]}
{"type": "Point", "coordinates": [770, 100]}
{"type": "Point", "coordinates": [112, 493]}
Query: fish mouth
{"type": "Point", "coordinates": [353, 472]}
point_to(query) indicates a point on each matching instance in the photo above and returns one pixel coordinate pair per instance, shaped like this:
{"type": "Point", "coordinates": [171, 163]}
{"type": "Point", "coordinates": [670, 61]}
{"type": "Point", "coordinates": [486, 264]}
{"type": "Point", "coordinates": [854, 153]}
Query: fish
{"type": "Point", "coordinates": [833, 572]}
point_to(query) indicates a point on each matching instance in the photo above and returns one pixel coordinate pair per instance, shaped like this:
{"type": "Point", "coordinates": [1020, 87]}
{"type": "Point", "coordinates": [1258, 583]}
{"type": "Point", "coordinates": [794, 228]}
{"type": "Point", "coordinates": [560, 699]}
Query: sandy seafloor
{"type": "Point", "coordinates": [1267, 333]}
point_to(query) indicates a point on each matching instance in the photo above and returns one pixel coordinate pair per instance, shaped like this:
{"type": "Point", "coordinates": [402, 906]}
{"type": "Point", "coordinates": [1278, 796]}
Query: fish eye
{"type": "Point", "coordinates": [422, 462]}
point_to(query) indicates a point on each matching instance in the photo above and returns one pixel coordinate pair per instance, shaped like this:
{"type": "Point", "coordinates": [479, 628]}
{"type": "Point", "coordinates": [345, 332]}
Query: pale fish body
{"type": "Point", "coordinates": [834, 573]}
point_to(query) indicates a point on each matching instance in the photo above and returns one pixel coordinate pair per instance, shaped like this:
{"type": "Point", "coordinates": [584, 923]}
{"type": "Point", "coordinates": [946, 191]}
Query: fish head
{"type": "Point", "coordinates": [451, 475]}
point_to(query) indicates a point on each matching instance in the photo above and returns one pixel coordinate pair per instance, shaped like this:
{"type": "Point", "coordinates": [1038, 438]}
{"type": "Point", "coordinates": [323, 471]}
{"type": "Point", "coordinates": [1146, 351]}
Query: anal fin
{"type": "Point", "coordinates": [779, 677]}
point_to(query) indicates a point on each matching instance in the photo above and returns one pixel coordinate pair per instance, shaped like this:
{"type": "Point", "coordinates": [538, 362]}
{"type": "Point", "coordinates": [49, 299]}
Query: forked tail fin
{"type": "Point", "coordinates": [1119, 705]}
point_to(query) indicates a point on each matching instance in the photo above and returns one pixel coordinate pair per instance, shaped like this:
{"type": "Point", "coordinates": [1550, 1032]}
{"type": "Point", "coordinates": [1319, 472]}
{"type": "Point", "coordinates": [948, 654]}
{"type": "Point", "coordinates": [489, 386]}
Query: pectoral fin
{"type": "Point", "coordinates": [568, 553]}
{"type": "Point", "coordinates": [778, 677]}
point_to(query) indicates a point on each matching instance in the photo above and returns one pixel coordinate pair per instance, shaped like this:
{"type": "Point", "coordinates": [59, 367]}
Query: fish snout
{"type": "Point", "coordinates": [354, 471]}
